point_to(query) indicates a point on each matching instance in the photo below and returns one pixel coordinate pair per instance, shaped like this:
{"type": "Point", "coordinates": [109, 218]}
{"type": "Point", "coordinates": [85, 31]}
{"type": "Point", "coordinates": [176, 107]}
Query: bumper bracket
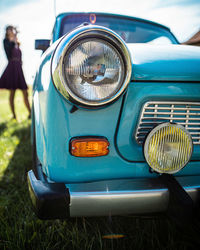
{"type": "Point", "coordinates": [50, 200]}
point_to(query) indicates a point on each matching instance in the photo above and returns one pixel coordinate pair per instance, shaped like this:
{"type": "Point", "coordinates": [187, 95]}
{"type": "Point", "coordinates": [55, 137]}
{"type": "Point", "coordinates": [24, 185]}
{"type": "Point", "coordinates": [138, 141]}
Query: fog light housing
{"type": "Point", "coordinates": [168, 148]}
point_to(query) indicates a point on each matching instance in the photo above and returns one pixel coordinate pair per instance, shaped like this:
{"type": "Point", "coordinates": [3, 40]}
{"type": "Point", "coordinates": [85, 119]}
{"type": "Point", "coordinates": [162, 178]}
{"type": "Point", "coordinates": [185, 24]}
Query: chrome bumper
{"type": "Point", "coordinates": [103, 198]}
{"type": "Point", "coordinates": [135, 196]}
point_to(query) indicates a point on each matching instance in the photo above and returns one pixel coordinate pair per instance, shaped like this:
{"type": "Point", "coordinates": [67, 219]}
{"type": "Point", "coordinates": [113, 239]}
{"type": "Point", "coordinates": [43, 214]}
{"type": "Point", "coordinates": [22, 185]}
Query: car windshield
{"type": "Point", "coordinates": [131, 30]}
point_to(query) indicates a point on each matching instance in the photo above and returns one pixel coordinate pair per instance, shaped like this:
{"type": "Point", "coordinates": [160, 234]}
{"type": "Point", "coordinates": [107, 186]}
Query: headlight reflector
{"type": "Point", "coordinates": [168, 148]}
{"type": "Point", "coordinates": [94, 70]}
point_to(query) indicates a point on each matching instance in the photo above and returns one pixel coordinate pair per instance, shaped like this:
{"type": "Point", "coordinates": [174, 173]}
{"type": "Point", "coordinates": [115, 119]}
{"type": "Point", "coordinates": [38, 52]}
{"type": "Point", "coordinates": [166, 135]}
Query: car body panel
{"type": "Point", "coordinates": [159, 73]}
{"type": "Point", "coordinates": [165, 62]}
{"type": "Point", "coordinates": [57, 161]}
{"type": "Point", "coordinates": [53, 144]}
{"type": "Point", "coordinates": [138, 94]}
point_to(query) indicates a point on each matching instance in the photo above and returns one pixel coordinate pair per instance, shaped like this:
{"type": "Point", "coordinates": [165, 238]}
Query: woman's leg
{"type": "Point", "coordinates": [26, 101]}
{"type": "Point", "coordinates": [11, 100]}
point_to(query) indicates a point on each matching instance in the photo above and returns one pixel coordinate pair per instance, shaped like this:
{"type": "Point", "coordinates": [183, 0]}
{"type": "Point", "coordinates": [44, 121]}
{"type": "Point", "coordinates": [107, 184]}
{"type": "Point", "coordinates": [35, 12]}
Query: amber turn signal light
{"type": "Point", "coordinates": [89, 147]}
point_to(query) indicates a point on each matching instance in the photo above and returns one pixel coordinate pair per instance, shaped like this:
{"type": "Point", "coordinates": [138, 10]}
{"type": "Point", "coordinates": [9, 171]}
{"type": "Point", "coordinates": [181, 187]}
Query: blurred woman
{"type": "Point", "coordinates": [13, 77]}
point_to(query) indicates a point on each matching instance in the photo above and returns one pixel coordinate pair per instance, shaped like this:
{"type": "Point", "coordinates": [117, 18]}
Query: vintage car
{"type": "Point", "coordinates": [115, 119]}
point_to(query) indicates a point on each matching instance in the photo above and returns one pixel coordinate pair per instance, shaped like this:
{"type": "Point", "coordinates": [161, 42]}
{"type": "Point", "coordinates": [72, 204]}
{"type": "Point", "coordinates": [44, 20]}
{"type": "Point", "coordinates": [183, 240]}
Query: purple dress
{"type": "Point", "coordinates": [13, 77]}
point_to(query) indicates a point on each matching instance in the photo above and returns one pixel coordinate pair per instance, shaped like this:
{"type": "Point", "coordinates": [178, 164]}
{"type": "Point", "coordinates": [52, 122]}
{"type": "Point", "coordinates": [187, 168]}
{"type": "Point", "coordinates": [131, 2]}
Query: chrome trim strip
{"type": "Point", "coordinates": [139, 196]}
{"type": "Point", "coordinates": [84, 32]}
{"type": "Point", "coordinates": [156, 112]}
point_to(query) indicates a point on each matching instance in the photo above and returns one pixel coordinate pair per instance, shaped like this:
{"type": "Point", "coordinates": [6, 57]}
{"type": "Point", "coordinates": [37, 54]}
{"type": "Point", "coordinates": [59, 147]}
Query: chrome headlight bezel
{"type": "Point", "coordinates": [69, 41]}
{"type": "Point", "coordinates": [160, 143]}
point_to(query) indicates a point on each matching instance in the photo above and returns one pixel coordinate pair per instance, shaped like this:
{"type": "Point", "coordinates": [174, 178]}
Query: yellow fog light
{"type": "Point", "coordinates": [168, 148]}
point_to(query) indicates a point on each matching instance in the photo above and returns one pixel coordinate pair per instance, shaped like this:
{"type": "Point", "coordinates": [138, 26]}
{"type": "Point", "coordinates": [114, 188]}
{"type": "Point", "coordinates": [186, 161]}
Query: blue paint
{"type": "Point", "coordinates": [55, 125]}
{"type": "Point", "coordinates": [138, 93]}
{"type": "Point", "coordinates": [165, 63]}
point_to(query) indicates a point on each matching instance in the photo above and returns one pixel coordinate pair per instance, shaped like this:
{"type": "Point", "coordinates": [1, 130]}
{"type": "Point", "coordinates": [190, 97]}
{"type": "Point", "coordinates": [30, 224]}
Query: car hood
{"type": "Point", "coordinates": [165, 62]}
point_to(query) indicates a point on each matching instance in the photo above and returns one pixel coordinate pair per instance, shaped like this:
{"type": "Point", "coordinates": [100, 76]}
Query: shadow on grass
{"type": "Point", "coordinates": [13, 190]}
{"type": "Point", "coordinates": [20, 228]}
{"type": "Point", "coordinates": [3, 126]}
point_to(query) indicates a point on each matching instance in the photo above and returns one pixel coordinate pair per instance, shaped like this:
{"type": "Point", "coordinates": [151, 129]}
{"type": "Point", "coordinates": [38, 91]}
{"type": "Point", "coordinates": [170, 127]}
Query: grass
{"type": "Point", "coordinates": [21, 229]}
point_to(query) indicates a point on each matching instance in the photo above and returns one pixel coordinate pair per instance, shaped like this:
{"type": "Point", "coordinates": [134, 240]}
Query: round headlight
{"type": "Point", "coordinates": [91, 66]}
{"type": "Point", "coordinates": [168, 148]}
{"type": "Point", "coordinates": [94, 70]}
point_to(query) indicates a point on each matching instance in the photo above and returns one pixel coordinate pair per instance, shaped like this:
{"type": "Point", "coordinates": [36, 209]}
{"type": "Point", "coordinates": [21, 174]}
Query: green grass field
{"type": "Point", "coordinates": [21, 229]}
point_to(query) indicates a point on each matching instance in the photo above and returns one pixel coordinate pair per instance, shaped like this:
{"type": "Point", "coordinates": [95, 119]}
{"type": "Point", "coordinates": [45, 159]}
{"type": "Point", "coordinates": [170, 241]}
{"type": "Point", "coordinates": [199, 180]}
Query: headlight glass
{"type": "Point", "coordinates": [168, 148]}
{"type": "Point", "coordinates": [94, 70]}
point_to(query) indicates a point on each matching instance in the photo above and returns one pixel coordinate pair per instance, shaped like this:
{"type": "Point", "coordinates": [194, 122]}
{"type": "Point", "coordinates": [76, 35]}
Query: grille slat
{"type": "Point", "coordinates": [166, 108]}
{"type": "Point", "coordinates": [167, 118]}
{"type": "Point", "coordinates": [172, 113]}
{"type": "Point", "coordinates": [196, 138]}
{"type": "Point", "coordinates": [154, 113]}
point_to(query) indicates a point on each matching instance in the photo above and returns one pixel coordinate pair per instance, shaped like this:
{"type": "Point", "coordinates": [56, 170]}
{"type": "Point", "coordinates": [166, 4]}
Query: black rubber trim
{"type": "Point", "coordinates": [50, 200]}
{"type": "Point", "coordinates": [73, 109]}
{"type": "Point", "coordinates": [181, 207]}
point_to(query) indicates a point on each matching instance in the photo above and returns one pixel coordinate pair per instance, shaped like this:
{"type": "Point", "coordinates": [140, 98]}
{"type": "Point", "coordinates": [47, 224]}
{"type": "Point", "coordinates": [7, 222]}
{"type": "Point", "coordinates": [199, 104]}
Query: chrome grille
{"type": "Point", "coordinates": [154, 113]}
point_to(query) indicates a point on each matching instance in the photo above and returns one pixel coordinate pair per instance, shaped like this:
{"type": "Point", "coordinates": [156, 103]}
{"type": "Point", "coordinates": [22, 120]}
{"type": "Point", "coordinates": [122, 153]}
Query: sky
{"type": "Point", "coordinates": [35, 19]}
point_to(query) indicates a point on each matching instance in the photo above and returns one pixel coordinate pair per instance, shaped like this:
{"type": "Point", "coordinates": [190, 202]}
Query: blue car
{"type": "Point", "coordinates": [115, 119]}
